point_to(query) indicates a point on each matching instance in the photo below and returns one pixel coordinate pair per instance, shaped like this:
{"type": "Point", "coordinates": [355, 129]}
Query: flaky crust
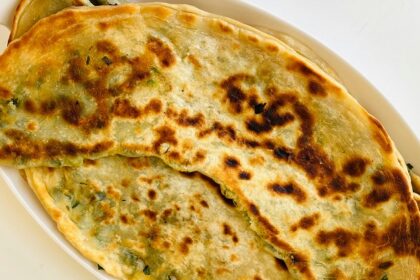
{"type": "Point", "coordinates": [28, 12]}
{"type": "Point", "coordinates": [179, 225]}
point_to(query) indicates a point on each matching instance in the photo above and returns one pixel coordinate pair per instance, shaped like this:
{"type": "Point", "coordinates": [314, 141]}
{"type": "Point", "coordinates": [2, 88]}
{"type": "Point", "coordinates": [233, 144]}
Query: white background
{"type": "Point", "coordinates": [380, 38]}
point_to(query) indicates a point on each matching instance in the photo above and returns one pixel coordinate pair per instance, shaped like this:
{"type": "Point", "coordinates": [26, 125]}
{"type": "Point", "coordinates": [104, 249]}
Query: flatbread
{"type": "Point", "coordinates": [140, 219]}
{"type": "Point", "coordinates": [78, 237]}
{"type": "Point", "coordinates": [28, 12]}
{"type": "Point", "coordinates": [415, 181]}
{"type": "Point", "coordinates": [41, 9]}
{"type": "Point", "coordinates": [245, 259]}
{"type": "Point", "coordinates": [318, 176]}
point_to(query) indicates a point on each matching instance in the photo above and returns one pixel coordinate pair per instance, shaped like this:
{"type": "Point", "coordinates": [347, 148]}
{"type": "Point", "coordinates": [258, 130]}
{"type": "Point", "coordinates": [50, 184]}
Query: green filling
{"type": "Point", "coordinates": [146, 270]}
{"type": "Point", "coordinates": [410, 166]}
{"type": "Point", "coordinates": [132, 260]}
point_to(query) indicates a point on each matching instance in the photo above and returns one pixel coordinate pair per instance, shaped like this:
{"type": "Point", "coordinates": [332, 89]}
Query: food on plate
{"type": "Point", "coordinates": [138, 218]}
{"type": "Point", "coordinates": [37, 10]}
{"type": "Point", "coordinates": [28, 12]}
{"type": "Point", "coordinates": [318, 177]}
{"type": "Point", "coordinates": [415, 181]}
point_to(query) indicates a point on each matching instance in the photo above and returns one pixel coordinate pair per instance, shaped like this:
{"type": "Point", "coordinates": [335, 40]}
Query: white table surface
{"type": "Point", "coordinates": [380, 38]}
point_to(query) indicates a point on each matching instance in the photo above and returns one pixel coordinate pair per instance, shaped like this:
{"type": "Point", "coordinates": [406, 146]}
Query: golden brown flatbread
{"type": "Point", "coordinates": [140, 219]}
{"type": "Point", "coordinates": [318, 176]}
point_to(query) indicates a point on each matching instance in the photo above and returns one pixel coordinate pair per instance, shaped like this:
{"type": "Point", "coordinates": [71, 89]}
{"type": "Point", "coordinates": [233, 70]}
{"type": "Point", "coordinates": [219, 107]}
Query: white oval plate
{"type": "Point", "coordinates": [357, 85]}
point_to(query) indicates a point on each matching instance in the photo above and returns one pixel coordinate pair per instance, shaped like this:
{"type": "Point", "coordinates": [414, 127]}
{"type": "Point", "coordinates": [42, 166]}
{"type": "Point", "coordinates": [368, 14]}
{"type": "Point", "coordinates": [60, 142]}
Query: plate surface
{"type": "Point", "coordinates": [362, 90]}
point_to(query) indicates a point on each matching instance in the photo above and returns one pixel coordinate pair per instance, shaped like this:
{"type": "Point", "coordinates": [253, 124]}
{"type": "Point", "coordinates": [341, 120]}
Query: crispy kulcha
{"type": "Point", "coordinates": [28, 12]}
{"type": "Point", "coordinates": [319, 178]}
{"type": "Point", "coordinates": [140, 219]}
{"type": "Point", "coordinates": [415, 181]}
{"type": "Point", "coordinates": [41, 9]}
{"type": "Point", "coordinates": [246, 257]}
